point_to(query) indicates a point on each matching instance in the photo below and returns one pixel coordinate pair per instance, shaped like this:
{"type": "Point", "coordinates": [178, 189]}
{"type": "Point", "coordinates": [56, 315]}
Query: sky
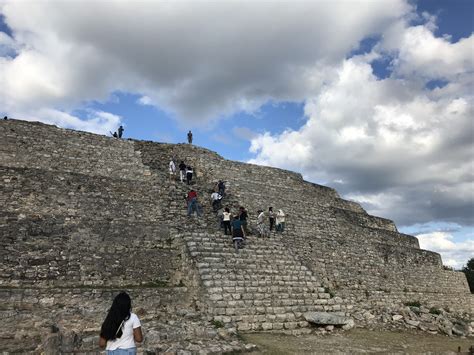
{"type": "Point", "coordinates": [372, 98]}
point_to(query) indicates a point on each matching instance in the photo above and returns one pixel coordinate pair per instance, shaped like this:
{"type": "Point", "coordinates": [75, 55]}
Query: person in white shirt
{"type": "Point", "coordinates": [261, 226]}
{"type": "Point", "coordinates": [121, 328]}
{"type": "Point", "coordinates": [226, 219]}
{"type": "Point", "coordinates": [172, 170]}
{"type": "Point", "coordinates": [280, 221]}
{"type": "Point", "coordinates": [215, 199]}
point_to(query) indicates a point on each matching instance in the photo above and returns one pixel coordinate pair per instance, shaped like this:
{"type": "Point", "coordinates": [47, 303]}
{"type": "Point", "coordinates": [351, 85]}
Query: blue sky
{"type": "Point", "coordinates": [372, 98]}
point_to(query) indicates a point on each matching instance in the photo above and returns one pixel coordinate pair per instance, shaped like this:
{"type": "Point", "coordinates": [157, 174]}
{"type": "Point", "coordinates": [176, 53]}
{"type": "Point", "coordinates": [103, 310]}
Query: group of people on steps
{"type": "Point", "coordinates": [234, 224]}
{"type": "Point", "coordinates": [185, 171]}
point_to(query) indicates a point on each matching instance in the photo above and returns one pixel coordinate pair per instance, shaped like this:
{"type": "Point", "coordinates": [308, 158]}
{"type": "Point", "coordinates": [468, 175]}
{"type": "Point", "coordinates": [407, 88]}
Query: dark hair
{"type": "Point", "coordinates": [270, 208]}
{"type": "Point", "coordinates": [227, 209]}
{"type": "Point", "coordinates": [119, 312]}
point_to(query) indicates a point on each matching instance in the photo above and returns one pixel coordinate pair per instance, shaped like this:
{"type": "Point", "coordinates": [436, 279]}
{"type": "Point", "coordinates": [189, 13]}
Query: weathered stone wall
{"type": "Point", "coordinates": [68, 228]}
{"type": "Point", "coordinates": [36, 145]}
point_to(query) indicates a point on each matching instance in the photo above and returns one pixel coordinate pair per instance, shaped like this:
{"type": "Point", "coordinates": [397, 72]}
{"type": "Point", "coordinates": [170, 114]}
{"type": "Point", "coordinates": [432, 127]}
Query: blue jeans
{"type": "Point", "coordinates": [194, 206]}
{"type": "Point", "coordinates": [280, 227]}
{"type": "Point", "coordinates": [129, 351]}
{"type": "Point", "coordinates": [191, 206]}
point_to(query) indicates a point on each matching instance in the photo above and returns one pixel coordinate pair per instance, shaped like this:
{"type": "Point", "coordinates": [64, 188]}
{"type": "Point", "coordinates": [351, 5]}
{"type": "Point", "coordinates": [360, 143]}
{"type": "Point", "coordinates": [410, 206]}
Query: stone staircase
{"type": "Point", "coordinates": [261, 287]}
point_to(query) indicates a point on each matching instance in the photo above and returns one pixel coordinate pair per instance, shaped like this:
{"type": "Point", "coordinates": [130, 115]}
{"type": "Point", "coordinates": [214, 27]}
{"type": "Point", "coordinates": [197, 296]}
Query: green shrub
{"type": "Point", "coordinates": [413, 304]}
{"type": "Point", "coordinates": [468, 270]}
{"type": "Point", "coordinates": [328, 290]}
{"type": "Point", "coordinates": [217, 324]}
{"type": "Point", "coordinates": [434, 310]}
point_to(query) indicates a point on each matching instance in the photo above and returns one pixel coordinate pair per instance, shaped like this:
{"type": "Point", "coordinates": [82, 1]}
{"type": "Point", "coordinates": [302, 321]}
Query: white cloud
{"type": "Point", "coordinates": [144, 100]}
{"type": "Point", "coordinates": [97, 121]}
{"type": "Point", "coordinates": [454, 254]}
{"type": "Point", "coordinates": [198, 60]}
{"type": "Point", "coordinates": [403, 151]}
{"type": "Point", "coordinates": [420, 52]}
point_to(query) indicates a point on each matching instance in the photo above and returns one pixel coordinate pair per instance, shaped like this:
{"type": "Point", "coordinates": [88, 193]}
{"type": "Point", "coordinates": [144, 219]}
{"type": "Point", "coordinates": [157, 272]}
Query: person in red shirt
{"type": "Point", "coordinates": [192, 202]}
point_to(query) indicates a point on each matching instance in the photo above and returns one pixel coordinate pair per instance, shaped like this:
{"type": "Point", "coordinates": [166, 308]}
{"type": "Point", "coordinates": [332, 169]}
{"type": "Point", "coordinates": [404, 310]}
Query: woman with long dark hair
{"type": "Point", "coordinates": [121, 328]}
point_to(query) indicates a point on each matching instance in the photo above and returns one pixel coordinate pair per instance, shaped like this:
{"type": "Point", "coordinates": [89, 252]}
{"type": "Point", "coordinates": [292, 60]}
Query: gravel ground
{"type": "Point", "coordinates": [359, 341]}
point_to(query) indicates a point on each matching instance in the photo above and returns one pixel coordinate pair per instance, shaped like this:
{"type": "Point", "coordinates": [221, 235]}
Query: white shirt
{"type": "Point", "coordinates": [226, 216]}
{"type": "Point", "coordinates": [280, 217]}
{"type": "Point", "coordinates": [172, 167]}
{"type": "Point", "coordinates": [126, 341]}
{"type": "Point", "coordinates": [215, 196]}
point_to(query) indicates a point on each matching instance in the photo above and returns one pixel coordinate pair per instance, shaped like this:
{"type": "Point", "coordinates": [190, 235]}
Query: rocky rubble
{"type": "Point", "coordinates": [432, 320]}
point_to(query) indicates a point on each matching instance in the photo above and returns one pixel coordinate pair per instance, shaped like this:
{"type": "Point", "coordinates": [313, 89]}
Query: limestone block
{"type": "Point", "coordinates": [244, 326]}
{"type": "Point", "coordinates": [324, 318]}
{"type": "Point", "coordinates": [216, 297]}
{"type": "Point", "coordinates": [411, 322]}
{"type": "Point", "coordinates": [277, 326]}
{"type": "Point", "coordinates": [397, 317]}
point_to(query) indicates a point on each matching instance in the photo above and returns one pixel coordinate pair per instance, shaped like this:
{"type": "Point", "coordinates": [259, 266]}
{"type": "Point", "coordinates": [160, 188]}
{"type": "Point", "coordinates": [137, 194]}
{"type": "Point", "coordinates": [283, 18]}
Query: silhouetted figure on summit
{"type": "Point", "coordinates": [120, 131]}
{"type": "Point", "coordinates": [5, 118]}
{"type": "Point", "coordinates": [190, 137]}
{"type": "Point", "coordinates": [115, 135]}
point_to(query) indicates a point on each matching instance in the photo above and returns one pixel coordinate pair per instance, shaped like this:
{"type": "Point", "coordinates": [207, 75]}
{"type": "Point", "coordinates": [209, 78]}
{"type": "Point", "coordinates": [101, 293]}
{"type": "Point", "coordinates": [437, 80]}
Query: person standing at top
{"type": "Point", "coordinates": [271, 217]}
{"type": "Point", "coordinates": [182, 171]}
{"type": "Point", "coordinates": [189, 174]}
{"type": "Point", "coordinates": [190, 137]}
{"type": "Point", "coordinates": [172, 168]}
{"type": "Point", "coordinates": [120, 131]}
{"type": "Point", "coordinates": [280, 221]}
{"type": "Point", "coordinates": [121, 328]}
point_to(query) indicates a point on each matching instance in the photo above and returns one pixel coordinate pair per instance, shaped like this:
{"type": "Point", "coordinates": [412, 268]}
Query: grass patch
{"type": "Point", "coordinates": [217, 323]}
{"type": "Point", "coordinates": [434, 310]}
{"type": "Point", "coordinates": [331, 292]}
{"type": "Point", "coordinates": [413, 304]}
